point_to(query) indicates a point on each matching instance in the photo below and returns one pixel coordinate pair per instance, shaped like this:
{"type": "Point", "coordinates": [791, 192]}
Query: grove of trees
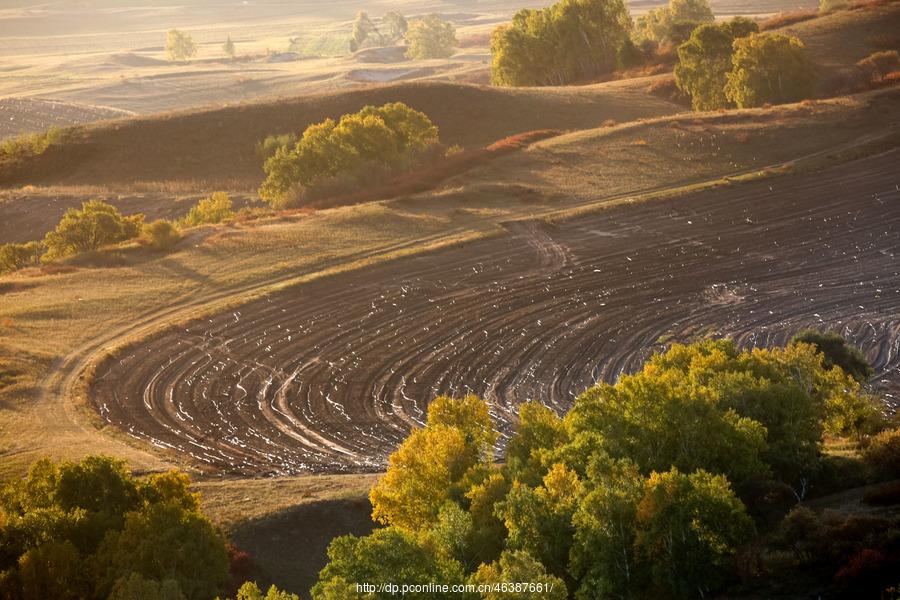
{"type": "Point", "coordinates": [704, 61]}
{"type": "Point", "coordinates": [731, 64]}
{"type": "Point", "coordinates": [672, 23]}
{"type": "Point", "coordinates": [653, 487]}
{"type": "Point", "coordinates": [566, 42]}
{"type": "Point", "coordinates": [91, 530]}
{"type": "Point", "coordinates": [769, 68]}
{"type": "Point", "coordinates": [361, 146]}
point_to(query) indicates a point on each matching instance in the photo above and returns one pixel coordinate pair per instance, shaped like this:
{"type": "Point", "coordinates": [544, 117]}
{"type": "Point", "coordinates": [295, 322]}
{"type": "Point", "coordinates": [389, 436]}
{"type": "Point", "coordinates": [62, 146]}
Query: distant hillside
{"type": "Point", "coordinates": [218, 145]}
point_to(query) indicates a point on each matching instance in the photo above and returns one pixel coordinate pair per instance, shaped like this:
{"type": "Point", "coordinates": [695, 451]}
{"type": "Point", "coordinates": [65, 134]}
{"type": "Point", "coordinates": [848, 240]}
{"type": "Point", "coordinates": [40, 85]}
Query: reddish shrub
{"type": "Point", "coordinates": [240, 568]}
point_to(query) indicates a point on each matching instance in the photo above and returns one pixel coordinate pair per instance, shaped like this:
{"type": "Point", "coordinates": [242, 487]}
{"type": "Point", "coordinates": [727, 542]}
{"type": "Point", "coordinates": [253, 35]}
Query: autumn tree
{"type": "Point", "coordinates": [364, 29]}
{"type": "Point", "coordinates": [387, 555]}
{"type": "Point", "coordinates": [179, 46]}
{"type": "Point", "coordinates": [769, 68]}
{"type": "Point", "coordinates": [430, 37]}
{"type": "Point", "coordinates": [517, 566]}
{"type": "Point", "coordinates": [396, 25]}
{"type": "Point", "coordinates": [570, 41]}
{"type": "Point", "coordinates": [689, 528]}
{"type": "Point", "coordinates": [837, 352]}
{"type": "Point", "coordinates": [96, 224]}
{"type": "Point", "coordinates": [674, 22]}
{"type": "Point", "coordinates": [704, 61]}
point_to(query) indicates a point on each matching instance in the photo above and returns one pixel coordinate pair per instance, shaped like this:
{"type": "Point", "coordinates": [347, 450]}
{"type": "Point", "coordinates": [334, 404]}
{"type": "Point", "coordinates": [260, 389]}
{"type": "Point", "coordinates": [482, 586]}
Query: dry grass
{"type": "Point", "coordinates": [788, 18]}
{"type": "Point", "coordinates": [216, 148]}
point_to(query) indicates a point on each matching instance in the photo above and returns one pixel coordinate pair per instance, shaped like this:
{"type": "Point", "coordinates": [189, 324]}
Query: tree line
{"type": "Point", "coordinates": [679, 481]}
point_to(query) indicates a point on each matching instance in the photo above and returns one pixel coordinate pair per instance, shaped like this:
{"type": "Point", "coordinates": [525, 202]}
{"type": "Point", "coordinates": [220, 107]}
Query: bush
{"type": "Point", "coordinates": [213, 209]}
{"type": "Point", "coordinates": [18, 256]}
{"type": "Point", "coordinates": [29, 145]}
{"type": "Point", "coordinates": [882, 453]}
{"type": "Point", "coordinates": [162, 234]}
{"type": "Point", "coordinates": [769, 68]}
{"type": "Point", "coordinates": [96, 224]}
{"type": "Point", "coordinates": [570, 41]}
{"type": "Point", "coordinates": [879, 64]}
{"type": "Point", "coordinates": [388, 138]}
{"type": "Point", "coordinates": [430, 37]}
{"type": "Point", "coordinates": [886, 494]}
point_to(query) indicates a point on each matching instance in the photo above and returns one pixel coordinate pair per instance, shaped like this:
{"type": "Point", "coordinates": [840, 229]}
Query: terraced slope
{"type": "Point", "coordinates": [330, 376]}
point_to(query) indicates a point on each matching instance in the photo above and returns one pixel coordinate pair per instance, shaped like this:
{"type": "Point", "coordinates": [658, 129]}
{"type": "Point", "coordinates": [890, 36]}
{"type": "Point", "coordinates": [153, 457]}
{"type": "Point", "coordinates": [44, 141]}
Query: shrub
{"type": "Point", "coordinates": [96, 224]}
{"type": "Point", "coordinates": [390, 137]}
{"type": "Point", "coordinates": [882, 453]}
{"type": "Point", "coordinates": [430, 37]}
{"type": "Point", "coordinates": [769, 68]}
{"type": "Point", "coordinates": [705, 60]}
{"type": "Point", "coordinates": [570, 41]}
{"type": "Point", "coordinates": [162, 234]}
{"type": "Point", "coordinates": [18, 256]}
{"type": "Point", "coordinates": [34, 144]}
{"type": "Point", "coordinates": [879, 64]}
{"type": "Point", "coordinates": [886, 494]}
{"type": "Point", "coordinates": [213, 209]}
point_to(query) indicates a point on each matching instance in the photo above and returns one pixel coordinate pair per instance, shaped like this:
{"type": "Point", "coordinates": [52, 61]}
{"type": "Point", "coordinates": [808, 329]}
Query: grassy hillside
{"type": "Point", "coordinates": [216, 148]}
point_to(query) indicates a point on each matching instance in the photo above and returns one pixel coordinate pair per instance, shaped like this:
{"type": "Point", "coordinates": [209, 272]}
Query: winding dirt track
{"type": "Point", "coordinates": [330, 376]}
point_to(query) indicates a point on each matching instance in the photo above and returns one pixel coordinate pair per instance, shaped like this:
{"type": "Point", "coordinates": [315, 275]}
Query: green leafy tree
{"type": "Point", "coordinates": [430, 37]}
{"type": "Point", "coordinates": [165, 541]}
{"type": "Point", "coordinates": [228, 48]}
{"type": "Point", "coordinates": [136, 587]}
{"type": "Point", "coordinates": [18, 256]}
{"type": "Point", "coordinates": [769, 68]}
{"type": "Point", "coordinates": [396, 24]}
{"type": "Point", "coordinates": [539, 520]}
{"type": "Point", "coordinates": [689, 528]}
{"type": "Point", "coordinates": [250, 591]}
{"type": "Point", "coordinates": [704, 61]}
{"type": "Point", "coordinates": [602, 556]}
{"type": "Point", "coordinates": [674, 22]}
{"type": "Point", "coordinates": [364, 29]}
{"type": "Point", "coordinates": [179, 46]}
{"type": "Point", "coordinates": [529, 454]}
{"type": "Point", "coordinates": [213, 209]}
{"type": "Point", "coordinates": [83, 529]}
{"type": "Point", "coordinates": [570, 41]}
{"type": "Point", "coordinates": [514, 567]}
{"type": "Point", "coordinates": [387, 555]}
{"type": "Point", "coordinates": [96, 224]}
{"type": "Point", "coordinates": [392, 136]}
{"type": "Point", "coordinates": [837, 352]}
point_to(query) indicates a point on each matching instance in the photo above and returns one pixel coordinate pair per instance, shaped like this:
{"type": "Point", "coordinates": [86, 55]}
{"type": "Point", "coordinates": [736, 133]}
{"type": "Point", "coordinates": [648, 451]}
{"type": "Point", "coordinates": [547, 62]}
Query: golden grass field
{"type": "Point", "coordinates": [620, 145]}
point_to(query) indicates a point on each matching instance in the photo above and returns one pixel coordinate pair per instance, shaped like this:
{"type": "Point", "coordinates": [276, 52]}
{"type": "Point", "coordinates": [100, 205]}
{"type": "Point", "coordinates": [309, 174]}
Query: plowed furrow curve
{"type": "Point", "coordinates": [331, 375]}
